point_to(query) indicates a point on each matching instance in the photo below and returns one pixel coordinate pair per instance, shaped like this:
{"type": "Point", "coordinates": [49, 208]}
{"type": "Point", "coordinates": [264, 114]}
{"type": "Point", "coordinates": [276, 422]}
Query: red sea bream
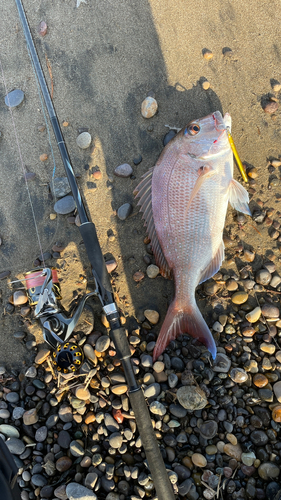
{"type": "Point", "coordinates": [184, 200]}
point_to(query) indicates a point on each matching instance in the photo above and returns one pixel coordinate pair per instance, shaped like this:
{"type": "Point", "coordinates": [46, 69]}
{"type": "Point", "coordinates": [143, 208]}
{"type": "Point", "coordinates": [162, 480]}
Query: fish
{"type": "Point", "coordinates": [184, 200]}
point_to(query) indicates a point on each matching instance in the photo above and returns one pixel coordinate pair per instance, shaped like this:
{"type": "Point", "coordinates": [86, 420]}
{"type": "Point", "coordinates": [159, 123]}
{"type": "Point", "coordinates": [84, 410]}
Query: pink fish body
{"type": "Point", "coordinates": [184, 200]}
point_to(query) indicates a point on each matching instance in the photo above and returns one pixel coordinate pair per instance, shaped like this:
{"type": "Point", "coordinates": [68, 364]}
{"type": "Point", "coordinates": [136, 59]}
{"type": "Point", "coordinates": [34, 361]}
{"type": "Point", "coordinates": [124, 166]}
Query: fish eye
{"type": "Point", "coordinates": [192, 129]}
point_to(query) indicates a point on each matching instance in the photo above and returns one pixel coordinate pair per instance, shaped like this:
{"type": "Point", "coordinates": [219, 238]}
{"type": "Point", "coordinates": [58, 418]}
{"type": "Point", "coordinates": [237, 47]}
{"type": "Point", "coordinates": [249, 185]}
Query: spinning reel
{"type": "Point", "coordinates": [43, 290]}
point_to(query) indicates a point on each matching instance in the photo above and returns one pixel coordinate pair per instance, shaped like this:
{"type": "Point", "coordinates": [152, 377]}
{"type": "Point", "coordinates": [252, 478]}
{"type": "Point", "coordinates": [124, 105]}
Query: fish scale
{"type": "Point", "coordinates": [184, 208]}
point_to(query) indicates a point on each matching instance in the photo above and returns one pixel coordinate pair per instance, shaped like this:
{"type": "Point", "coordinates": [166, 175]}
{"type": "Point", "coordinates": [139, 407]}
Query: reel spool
{"type": "Point", "coordinates": [67, 357]}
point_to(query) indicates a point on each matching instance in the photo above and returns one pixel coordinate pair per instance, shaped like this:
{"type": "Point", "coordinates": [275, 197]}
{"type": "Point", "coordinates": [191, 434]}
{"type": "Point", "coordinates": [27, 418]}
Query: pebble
{"type": "Point", "coordinates": [14, 98]}
{"type": "Point", "coordinates": [270, 107]}
{"type": "Point", "coordinates": [192, 397]}
{"type": "Point", "coordinates": [208, 429]}
{"type": "Point", "coordinates": [75, 491]}
{"type": "Point", "coordinates": [263, 277]}
{"type": "Point", "coordinates": [42, 356]}
{"type": "Point", "coordinates": [102, 343]}
{"type": "Point", "coordinates": [207, 54]}
{"type": "Point", "coordinates": [124, 211]}
{"type": "Point", "coordinates": [149, 107]}
{"type": "Point", "coordinates": [199, 460]}
{"type": "Point", "coordinates": [19, 298]}
{"type": "Point", "coordinates": [84, 140]}
{"type": "Point", "coordinates": [42, 28]}
{"type": "Point", "coordinates": [60, 187]}
{"type": "Point", "coordinates": [6, 429]}
{"type": "Point", "coordinates": [12, 397]}
{"type": "Point", "coordinates": [169, 136]}
{"type": "Point", "coordinates": [238, 375]}
{"type": "Point", "coordinates": [233, 451]}
{"type": "Point", "coordinates": [254, 315]}
{"type": "Point", "coordinates": [15, 446]}
{"type": "Point", "coordinates": [115, 440]}
{"type": "Point", "coordinates": [269, 310]}
{"type": "Point", "coordinates": [63, 464]}
{"type": "Point", "coordinates": [268, 471]}
{"type": "Point", "coordinates": [152, 271]}
{"type": "Point", "coordinates": [153, 390]}
{"type": "Point", "coordinates": [248, 458]}
{"type": "Point", "coordinates": [152, 316]}
{"type": "Point", "coordinates": [76, 449]}
{"type": "Point", "coordinates": [65, 413]}
{"type": "Point", "coordinates": [276, 389]}
{"type": "Point", "coordinates": [222, 363]}
{"type": "Point", "coordinates": [90, 353]}
{"type": "Point", "coordinates": [239, 297]}
{"type": "Point", "coordinates": [65, 205]}
{"type": "Point", "coordinates": [157, 408]}
{"type": "Point", "coordinates": [119, 389]}
{"type": "Point", "coordinates": [124, 170]}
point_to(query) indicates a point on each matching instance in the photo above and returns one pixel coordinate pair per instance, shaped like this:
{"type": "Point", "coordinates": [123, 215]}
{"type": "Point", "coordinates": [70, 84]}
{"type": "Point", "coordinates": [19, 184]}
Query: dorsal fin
{"type": "Point", "coordinates": [144, 192]}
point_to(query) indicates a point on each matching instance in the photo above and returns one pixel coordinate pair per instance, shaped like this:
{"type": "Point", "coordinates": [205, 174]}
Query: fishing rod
{"type": "Point", "coordinates": [58, 328]}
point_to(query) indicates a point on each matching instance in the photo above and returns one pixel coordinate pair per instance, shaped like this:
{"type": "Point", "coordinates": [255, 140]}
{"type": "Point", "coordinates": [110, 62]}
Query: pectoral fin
{"type": "Point", "coordinates": [239, 197]}
{"type": "Point", "coordinates": [214, 265]}
{"type": "Point", "coordinates": [204, 173]}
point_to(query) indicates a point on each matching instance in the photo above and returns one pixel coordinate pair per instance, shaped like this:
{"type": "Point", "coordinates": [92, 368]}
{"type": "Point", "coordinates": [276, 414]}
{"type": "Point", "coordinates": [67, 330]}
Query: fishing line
{"type": "Point", "coordinates": [22, 164]}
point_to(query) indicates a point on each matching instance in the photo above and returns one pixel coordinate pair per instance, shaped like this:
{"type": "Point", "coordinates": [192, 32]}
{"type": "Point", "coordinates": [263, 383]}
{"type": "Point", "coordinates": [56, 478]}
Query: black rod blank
{"type": "Point", "coordinates": [155, 461]}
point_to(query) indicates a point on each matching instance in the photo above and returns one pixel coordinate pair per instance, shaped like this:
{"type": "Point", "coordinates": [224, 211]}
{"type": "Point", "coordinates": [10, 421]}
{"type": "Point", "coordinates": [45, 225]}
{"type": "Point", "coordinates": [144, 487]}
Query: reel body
{"type": "Point", "coordinates": [43, 289]}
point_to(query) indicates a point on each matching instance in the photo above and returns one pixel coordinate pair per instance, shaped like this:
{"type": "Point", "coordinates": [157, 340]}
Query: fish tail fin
{"type": "Point", "coordinates": [188, 321]}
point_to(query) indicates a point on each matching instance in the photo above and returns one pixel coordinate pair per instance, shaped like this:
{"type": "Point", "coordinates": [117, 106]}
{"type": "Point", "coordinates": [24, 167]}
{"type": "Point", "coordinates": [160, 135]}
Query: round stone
{"type": "Point", "coordinates": [270, 310]}
{"type": "Point", "coordinates": [119, 389]}
{"type": "Point", "coordinates": [153, 390]}
{"type": "Point", "coordinates": [270, 107]}
{"type": "Point", "coordinates": [76, 449]}
{"type": "Point", "coordinates": [65, 205]}
{"type": "Point", "coordinates": [82, 393]}
{"type": "Point", "coordinates": [60, 187]}
{"type": "Point", "coordinates": [263, 277]}
{"type": "Point", "coordinates": [30, 417]}
{"type": "Point", "coordinates": [157, 408]}
{"type": "Point", "coordinates": [199, 460]}
{"type": "Point", "coordinates": [277, 390]}
{"type": "Point", "coordinates": [19, 298]}
{"type": "Point", "coordinates": [64, 439]}
{"type": "Point", "coordinates": [222, 363]}
{"type": "Point", "coordinates": [149, 107]}
{"type": "Point", "coordinates": [231, 285]}
{"type": "Point", "coordinates": [259, 438]}
{"type": "Point", "coordinates": [248, 458]}
{"type": "Point", "coordinates": [239, 297]}
{"type": "Point", "coordinates": [276, 414]}
{"type": "Point", "coordinates": [102, 343]}
{"type": "Point", "coordinates": [124, 170]}
{"type": "Point", "coordinates": [268, 348]}
{"type": "Point", "coordinates": [63, 464]}
{"type": "Point", "coordinates": [75, 491]}
{"type": "Point", "coordinates": [208, 429]}
{"type": "Point", "coordinates": [39, 480]}
{"type": "Point", "coordinates": [15, 446]}
{"type": "Point", "coordinates": [152, 271]}
{"type": "Point", "coordinates": [41, 434]}
{"type": "Point", "coordinates": [12, 397]}
{"type": "Point", "coordinates": [192, 397]}
{"type": "Point", "coordinates": [158, 366]}
{"type": "Point", "coordinates": [65, 413]}
{"type": "Point", "coordinates": [18, 413]}
{"type": "Point", "coordinates": [84, 140]}
{"type": "Point", "coordinates": [172, 380]}
{"type": "Point", "coordinates": [124, 211]}
{"type": "Point", "coordinates": [90, 354]}
{"type": "Point", "coordinates": [238, 375]}
{"type": "Point", "coordinates": [14, 98]}
{"type": "Point", "coordinates": [42, 356]}
{"type": "Point", "coordinates": [5, 414]}
{"type": "Point", "coordinates": [268, 471]}
{"type": "Point", "coordinates": [260, 380]}
{"type": "Point", "coordinates": [115, 440]}
{"type": "Point", "coordinates": [152, 316]}
{"type": "Point", "coordinates": [233, 451]}
{"type": "Point", "coordinates": [110, 423]}
{"type": "Point", "coordinates": [8, 430]}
